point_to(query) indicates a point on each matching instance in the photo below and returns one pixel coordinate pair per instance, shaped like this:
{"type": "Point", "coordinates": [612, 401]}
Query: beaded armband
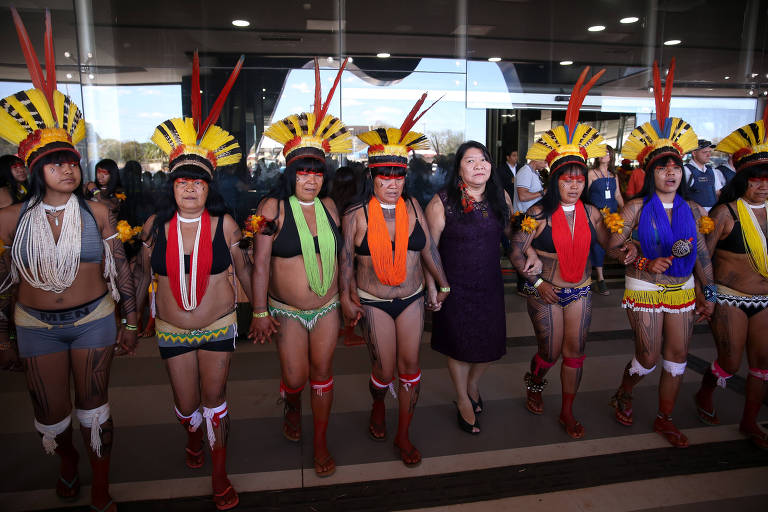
{"type": "Point", "coordinates": [710, 293]}
{"type": "Point", "coordinates": [641, 263]}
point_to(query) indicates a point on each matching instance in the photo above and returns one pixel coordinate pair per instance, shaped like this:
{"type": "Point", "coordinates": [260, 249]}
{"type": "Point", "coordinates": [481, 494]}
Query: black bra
{"type": "Point", "coordinates": [734, 242]}
{"type": "Point", "coordinates": [287, 244]}
{"type": "Point", "coordinates": [544, 241]}
{"type": "Point", "coordinates": [416, 241]}
{"type": "Point", "coordinates": [221, 256]}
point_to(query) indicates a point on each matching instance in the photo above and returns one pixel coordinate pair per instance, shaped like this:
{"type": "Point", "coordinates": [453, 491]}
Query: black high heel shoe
{"type": "Point", "coordinates": [464, 424]}
{"type": "Point", "coordinates": [476, 405]}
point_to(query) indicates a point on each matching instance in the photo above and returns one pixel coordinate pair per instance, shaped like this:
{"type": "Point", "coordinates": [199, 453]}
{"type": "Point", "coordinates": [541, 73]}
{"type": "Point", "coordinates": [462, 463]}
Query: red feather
{"type": "Point", "coordinates": [213, 115]}
{"type": "Point", "coordinates": [195, 94]}
{"type": "Point", "coordinates": [327, 103]}
{"type": "Point", "coordinates": [572, 112]}
{"type": "Point", "coordinates": [318, 101]}
{"type": "Point", "coordinates": [583, 93]}
{"type": "Point", "coordinates": [410, 118]}
{"type": "Point", "coordinates": [50, 65]}
{"type": "Point", "coordinates": [668, 87]}
{"type": "Point", "coordinates": [33, 64]}
{"type": "Point", "coordinates": [416, 119]}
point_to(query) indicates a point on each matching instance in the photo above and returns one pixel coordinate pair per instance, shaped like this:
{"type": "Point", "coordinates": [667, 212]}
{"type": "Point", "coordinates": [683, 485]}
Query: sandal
{"type": "Point", "coordinates": [224, 499]}
{"type": "Point", "coordinates": [622, 402]}
{"type": "Point", "coordinates": [328, 463]}
{"type": "Point", "coordinates": [109, 506]}
{"type": "Point", "coordinates": [68, 491]}
{"type": "Point", "coordinates": [575, 429]}
{"type": "Point", "coordinates": [476, 406]}
{"type": "Point", "coordinates": [705, 416]}
{"type": "Point", "coordinates": [464, 424]}
{"type": "Point", "coordinates": [759, 437]}
{"type": "Point", "coordinates": [194, 459]}
{"type": "Point", "coordinates": [663, 426]}
{"type": "Point", "coordinates": [411, 457]}
{"type": "Point", "coordinates": [534, 402]}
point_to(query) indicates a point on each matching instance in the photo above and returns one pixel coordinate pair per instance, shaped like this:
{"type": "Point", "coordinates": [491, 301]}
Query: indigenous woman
{"type": "Point", "coordinates": [605, 195]}
{"type": "Point", "coordinates": [741, 276]}
{"type": "Point", "coordinates": [467, 219]}
{"type": "Point", "coordinates": [106, 190]}
{"type": "Point", "coordinates": [190, 244]}
{"type": "Point", "coordinates": [660, 297]}
{"type": "Point", "coordinates": [72, 269]}
{"type": "Point", "coordinates": [295, 280]}
{"type": "Point", "coordinates": [391, 241]}
{"type": "Point", "coordinates": [15, 180]}
{"type": "Point", "coordinates": [561, 228]}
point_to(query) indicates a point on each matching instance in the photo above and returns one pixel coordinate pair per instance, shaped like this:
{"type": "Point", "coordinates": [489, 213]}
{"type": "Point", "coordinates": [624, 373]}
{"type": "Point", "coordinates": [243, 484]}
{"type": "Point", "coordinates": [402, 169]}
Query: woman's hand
{"type": "Point", "coordinates": [704, 308]}
{"type": "Point", "coordinates": [547, 292]}
{"type": "Point", "coordinates": [262, 329]}
{"type": "Point", "coordinates": [659, 265]}
{"type": "Point", "coordinates": [533, 265]}
{"type": "Point", "coordinates": [441, 296]}
{"type": "Point", "coordinates": [126, 342]}
{"type": "Point", "coordinates": [432, 303]}
{"type": "Point", "coordinates": [631, 252]}
{"type": "Point", "coordinates": [351, 309]}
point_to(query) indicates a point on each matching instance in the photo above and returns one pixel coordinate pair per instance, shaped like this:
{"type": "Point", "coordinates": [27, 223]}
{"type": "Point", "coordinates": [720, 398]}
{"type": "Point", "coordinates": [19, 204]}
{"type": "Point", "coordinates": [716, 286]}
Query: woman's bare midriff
{"type": "Point", "coordinates": [735, 271]}
{"type": "Point", "coordinates": [88, 285]}
{"type": "Point", "coordinates": [219, 299]}
{"type": "Point", "coordinates": [550, 271]}
{"type": "Point", "coordinates": [368, 281]}
{"type": "Point", "coordinates": [288, 283]}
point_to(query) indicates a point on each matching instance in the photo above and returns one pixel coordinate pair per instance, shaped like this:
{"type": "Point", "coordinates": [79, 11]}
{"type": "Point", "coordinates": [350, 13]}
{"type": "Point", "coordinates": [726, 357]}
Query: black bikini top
{"type": "Point", "coordinates": [221, 256]}
{"type": "Point", "coordinates": [734, 242]}
{"type": "Point", "coordinates": [287, 244]}
{"type": "Point", "coordinates": [416, 241]}
{"type": "Point", "coordinates": [544, 241]}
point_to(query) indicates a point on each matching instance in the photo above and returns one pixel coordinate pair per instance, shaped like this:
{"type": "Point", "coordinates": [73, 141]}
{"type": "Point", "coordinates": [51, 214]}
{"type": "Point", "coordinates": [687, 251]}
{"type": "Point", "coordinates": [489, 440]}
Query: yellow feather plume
{"type": "Point", "coordinates": [747, 136]}
{"type": "Point", "coordinates": [645, 136]}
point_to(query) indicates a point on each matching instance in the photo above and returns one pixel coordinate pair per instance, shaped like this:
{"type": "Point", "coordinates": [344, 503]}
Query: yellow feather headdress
{"type": "Point", "coordinates": [664, 136]}
{"type": "Point", "coordinates": [192, 141]}
{"type": "Point", "coordinates": [389, 147]}
{"type": "Point", "coordinates": [40, 120]}
{"type": "Point", "coordinates": [748, 144]}
{"type": "Point", "coordinates": [574, 142]}
{"type": "Point", "coordinates": [313, 134]}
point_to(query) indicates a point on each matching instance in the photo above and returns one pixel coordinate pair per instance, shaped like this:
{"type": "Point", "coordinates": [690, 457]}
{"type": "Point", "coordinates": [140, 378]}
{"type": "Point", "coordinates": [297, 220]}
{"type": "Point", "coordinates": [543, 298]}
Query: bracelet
{"type": "Point", "coordinates": [538, 282]}
{"type": "Point", "coordinates": [263, 314]}
{"type": "Point", "coordinates": [123, 321]}
{"type": "Point", "coordinates": [130, 327]}
{"type": "Point", "coordinates": [445, 289]}
{"type": "Point", "coordinates": [641, 263]}
{"type": "Point", "coordinates": [710, 293]}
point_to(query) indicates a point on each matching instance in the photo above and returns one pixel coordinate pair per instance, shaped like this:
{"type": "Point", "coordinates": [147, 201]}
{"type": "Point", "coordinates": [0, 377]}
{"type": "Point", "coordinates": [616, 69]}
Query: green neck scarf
{"type": "Point", "coordinates": [327, 244]}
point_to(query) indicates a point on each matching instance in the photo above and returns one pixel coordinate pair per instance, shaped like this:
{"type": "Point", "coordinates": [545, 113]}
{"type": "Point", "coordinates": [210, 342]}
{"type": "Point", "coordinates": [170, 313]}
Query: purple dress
{"type": "Point", "coordinates": [471, 325]}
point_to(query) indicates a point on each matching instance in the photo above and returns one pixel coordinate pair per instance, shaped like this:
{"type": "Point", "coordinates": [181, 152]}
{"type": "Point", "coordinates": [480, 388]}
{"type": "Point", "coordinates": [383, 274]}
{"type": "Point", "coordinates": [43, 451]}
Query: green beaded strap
{"type": "Point", "coordinates": [327, 244]}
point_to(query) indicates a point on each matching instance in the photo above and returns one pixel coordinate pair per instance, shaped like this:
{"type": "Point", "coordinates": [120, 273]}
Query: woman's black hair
{"type": "Point", "coordinates": [110, 166]}
{"type": "Point", "coordinates": [7, 178]}
{"type": "Point", "coordinates": [736, 188]}
{"type": "Point", "coordinates": [649, 185]}
{"type": "Point", "coordinates": [37, 185]}
{"type": "Point", "coordinates": [166, 206]}
{"type": "Point", "coordinates": [346, 184]}
{"type": "Point", "coordinates": [611, 162]}
{"type": "Point", "coordinates": [494, 191]}
{"type": "Point", "coordinates": [286, 187]}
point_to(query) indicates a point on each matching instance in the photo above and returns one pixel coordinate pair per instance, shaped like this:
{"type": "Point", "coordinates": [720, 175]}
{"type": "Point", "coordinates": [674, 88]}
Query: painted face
{"type": "Point", "coordinates": [190, 194]}
{"type": "Point", "coordinates": [571, 184]}
{"type": "Point", "coordinates": [475, 168]}
{"type": "Point", "coordinates": [62, 177]}
{"type": "Point", "coordinates": [667, 177]}
{"type": "Point", "coordinates": [757, 189]}
{"type": "Point", "coordinates": [19, 172]}
{"type": "Point", "coordinates": [102, 177]}
{"type": "Point", "coordinates": [388, 189]}
{"type": "Point", "coordinates": [308, 184]}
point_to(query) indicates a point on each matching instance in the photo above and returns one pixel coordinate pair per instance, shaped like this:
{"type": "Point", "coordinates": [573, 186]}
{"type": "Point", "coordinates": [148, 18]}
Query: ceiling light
{"type": "Point", "coordinates": [382, 55]}
{"type": "Point", "coordinates": [69, 75]}
{"type": "Point", "coordinates": [751, 92]}
{"type": "Point", "coordinates": [330, 59]}
{"type": "Point", "coordinates": [596, 28]}
{"type": "Point", "coordinates": [67, 54]}
{"type": "Point", "coordinates": [727, 77]}
{"type": "Point", "coordinates": [650, 89]}
{"type": "Point", "coordinates": [672, 42]}
{"type": "Point", "coordinates": [91, 76]}
{"type": "Point", "coordinates": [263, 90]}
{"type": "Point", "coordinates": [629, 19]}
{"type": "Point", "coordinates": [566, 62]}
{"type": "Point", "coordinates": [765, 93]}
{"type": "Point", "coordinates": [494, 59]}
{"type": "Point", "coordinates": [350, 59]}
{"type": "Point", "coordinates": [241, 23]}
{"type": "Point", "coordinates": [754, 75]}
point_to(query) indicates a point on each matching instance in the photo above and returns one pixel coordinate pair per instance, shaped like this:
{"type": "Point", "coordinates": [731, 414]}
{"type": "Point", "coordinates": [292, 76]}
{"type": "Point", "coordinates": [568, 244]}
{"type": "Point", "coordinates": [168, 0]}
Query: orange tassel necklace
{"type": "Point", "coordinates": [390, 270]}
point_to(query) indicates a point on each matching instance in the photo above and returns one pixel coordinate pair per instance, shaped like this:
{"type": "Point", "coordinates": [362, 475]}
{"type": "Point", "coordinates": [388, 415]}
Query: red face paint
{"type": "Point", "coordinates": [387, 178]}
{"type": "Point", "coordinates": [578, 178]}
{"type": "Point", "coordinates": [310, 173]}
{"type": "Point", "coordinates": [759, 181]}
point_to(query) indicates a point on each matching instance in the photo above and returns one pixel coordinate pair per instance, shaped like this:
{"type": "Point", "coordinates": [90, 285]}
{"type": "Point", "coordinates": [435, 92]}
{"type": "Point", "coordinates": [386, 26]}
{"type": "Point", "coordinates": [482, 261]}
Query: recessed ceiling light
{"type": "Point", "coordinates": [596, 28]}
{"type": "Point", "coordinates": [494, 59]}
{"type": "Point", "coordinates": [69, 75]}
{"type": "Point", "coordinates": [726, 77]}
{"type": "Point", "coordinates": [672, 42]}
{"type": "Point", "coordinates": [382, 55]}
{"type": "Point", "coordinates": [754, 75]}
{"type": "Point", "coordinates": [241, 23]}
{"type": "Point", "coordinates": [330, 59]}
{"type": "Point", "coordinates": [91, 76]}
{"type": "Point", "coordinates": [350, 59]}
{"type": "Point", "coordinates": [67, 54]}
{"type": "Point", "coordinates": [629, 19]}
{"type": "Point", "coordinates": [765, 93]}
{"type": "Point", "coordinates": [566, 62]}
{"type": "Point", "coordinates": [751, 92]}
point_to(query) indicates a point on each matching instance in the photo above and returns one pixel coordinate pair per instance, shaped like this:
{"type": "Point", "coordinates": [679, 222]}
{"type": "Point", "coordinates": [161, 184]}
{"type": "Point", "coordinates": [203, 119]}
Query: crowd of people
{"type": "Point", "coordinates": [368, 254]}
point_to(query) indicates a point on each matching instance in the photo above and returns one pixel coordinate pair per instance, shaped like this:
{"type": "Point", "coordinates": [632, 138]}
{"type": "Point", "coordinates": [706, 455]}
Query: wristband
{"type": "Point", "coordinates": [445, 289]}
{"type": "Point", "coordinates": [123, 321]}
{"type": "Point", "coordinates": [641, 263]}
{"type": "Point", "coordinates": [263, 314]}
{"type": "Point", "coordinates": [538, 283]}
{"type": "Point", "coordinates": [710, 293]}
{"type": "Point", "coordinates": [129, 327]}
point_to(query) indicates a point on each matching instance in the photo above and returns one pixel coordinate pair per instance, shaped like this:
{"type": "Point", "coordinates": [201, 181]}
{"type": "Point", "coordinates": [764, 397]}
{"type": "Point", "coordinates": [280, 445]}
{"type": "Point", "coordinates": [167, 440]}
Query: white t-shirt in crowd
{"type": "Point", "coordinates": [529, 179]}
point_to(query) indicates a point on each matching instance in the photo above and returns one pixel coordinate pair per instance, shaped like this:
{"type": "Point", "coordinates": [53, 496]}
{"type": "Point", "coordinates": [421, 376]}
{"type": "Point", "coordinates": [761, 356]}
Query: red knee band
{"type": "Point", "coordinates": [378, 383]}
{"type": "Point", "coordinates": [541, 363]}
{"type": "Point", "coordinates": [574, 362]}
{"type": "Point", "coordinates": [321, 387]}
{"type": "Point", "coordinates": [760, 373]}
{"type": "Point", "coordinates": [411, 378]}
{"type": "Point", "coordinates": [285, 389]}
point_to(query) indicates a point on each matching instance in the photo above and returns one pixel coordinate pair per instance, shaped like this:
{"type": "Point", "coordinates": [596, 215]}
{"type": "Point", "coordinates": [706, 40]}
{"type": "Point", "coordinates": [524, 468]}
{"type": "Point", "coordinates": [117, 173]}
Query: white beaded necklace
{"type": "Point", "coordinates": [189, 300]}
{"type": "Point", "coordinates": [50, 210]}
{"type": "Point", "coordinates": [755, 207]}
{"type": "Point", "coordinates": [568, 207]}
{"type": "Point", "coordinates": [388, 206]}
{"type": "Point", "coordinates": [50, 266]}
{"type": "Point", "coordinates": [310, 203]}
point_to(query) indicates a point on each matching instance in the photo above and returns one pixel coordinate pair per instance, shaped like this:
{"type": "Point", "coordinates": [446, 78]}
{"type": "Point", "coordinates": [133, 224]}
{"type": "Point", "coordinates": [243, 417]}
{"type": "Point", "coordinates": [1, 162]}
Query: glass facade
{"type": "Point", "coordinates": [503, 68]}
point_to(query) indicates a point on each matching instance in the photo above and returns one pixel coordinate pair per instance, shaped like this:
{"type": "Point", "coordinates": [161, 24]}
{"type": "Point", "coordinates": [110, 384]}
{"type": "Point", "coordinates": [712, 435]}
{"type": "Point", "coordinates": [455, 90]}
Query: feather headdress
{"type": "Point", "coordinates": [748, 144]}
{"type": "Point", "coordinates": [194, 141]}
{"type": "Point", "coordinates": [664, 136]}
{"type": "Point", "coordinates": [574, 142]}
{"type": "Point", "coordinates": [389, 147]}
{"type": "Point", "coordinates": [313, 134]}
{"type": "Point", "coordinates": [40, 120]}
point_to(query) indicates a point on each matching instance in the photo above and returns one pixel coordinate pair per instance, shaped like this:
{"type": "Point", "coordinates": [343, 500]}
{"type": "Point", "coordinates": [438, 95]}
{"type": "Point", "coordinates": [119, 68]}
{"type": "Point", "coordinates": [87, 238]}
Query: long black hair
{"type": "Point", "coordinates": [166, 206]}
{"type": "Point", "coordinates": [649, 185]}
{"type": "Point", "coordinates": [494, 191]}
{"type": "Point", "coordinates": [110, 166]}
{"type": "Point", "coordinates": [286, 186]}
{"type": "Point", "coordinates": [739, 183]}
{"type": "Point", "coordinates": [7, 178]}
{"type": "Point", "coordinates": [37, 186]}
{"type": "Point", "coordinates": [346, 184]}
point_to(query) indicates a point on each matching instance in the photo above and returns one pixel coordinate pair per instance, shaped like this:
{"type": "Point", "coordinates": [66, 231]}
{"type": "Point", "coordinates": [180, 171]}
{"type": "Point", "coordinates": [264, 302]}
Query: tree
{"type": "Point", "coordinates": [445, 142]}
